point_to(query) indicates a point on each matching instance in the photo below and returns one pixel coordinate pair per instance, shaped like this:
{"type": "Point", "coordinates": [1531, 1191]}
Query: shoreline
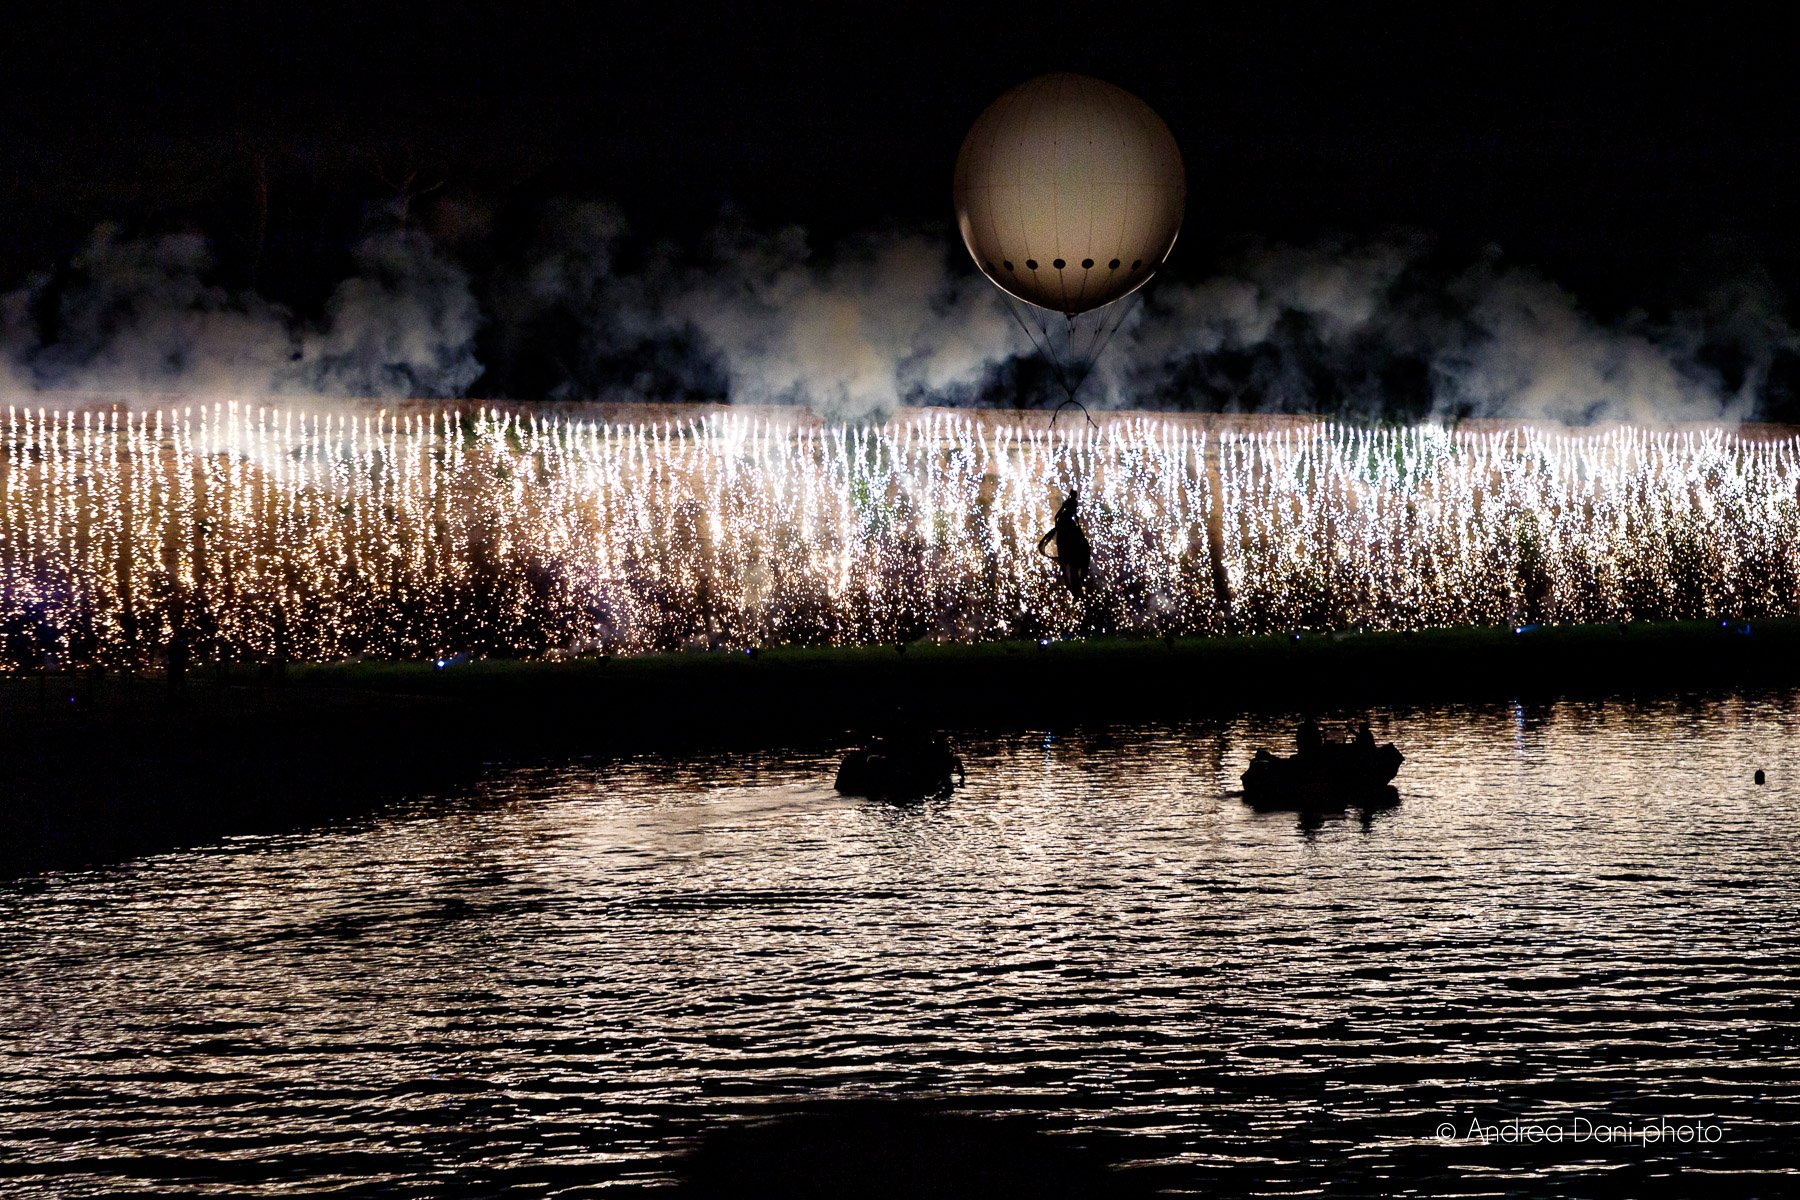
{"type": "Point", "coordinates": [105, 766]}
{"type": "Point", "coordinates": [821, 690]}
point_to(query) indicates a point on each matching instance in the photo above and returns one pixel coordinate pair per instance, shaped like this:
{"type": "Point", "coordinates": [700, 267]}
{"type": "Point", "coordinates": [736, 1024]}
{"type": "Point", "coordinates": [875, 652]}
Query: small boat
{"type": "Point", "coordinates": [1336, 776]}
{"type": "Point", "coordinates": [900, 769]}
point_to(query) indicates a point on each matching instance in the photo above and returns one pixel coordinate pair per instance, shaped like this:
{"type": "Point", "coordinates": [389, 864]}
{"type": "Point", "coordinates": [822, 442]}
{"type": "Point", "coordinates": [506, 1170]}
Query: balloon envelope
{"type": "Point", "coordinates": [1069, 192]}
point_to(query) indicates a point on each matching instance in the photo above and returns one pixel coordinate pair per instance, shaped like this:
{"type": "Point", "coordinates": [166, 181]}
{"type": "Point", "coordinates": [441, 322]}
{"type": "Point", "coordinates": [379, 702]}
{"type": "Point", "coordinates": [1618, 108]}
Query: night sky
{"type": "Point", "coordinates": [1638, 161]}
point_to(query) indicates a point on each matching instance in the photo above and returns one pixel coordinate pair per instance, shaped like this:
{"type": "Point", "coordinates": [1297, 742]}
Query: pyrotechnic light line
{"type": "Point", "coordinates": [256, 532]}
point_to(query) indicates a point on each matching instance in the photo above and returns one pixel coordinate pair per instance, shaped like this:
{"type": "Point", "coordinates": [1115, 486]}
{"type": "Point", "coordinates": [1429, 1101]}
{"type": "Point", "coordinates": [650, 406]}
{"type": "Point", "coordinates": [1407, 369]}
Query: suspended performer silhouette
{"type": "Point", "coordinates": [1069, 193]}
{"type": "Point", "coordinates": [1074, 556]}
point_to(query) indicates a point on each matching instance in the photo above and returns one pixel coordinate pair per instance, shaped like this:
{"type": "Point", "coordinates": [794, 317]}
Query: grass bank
{"type": "Point", "coordinates": [683, 698]}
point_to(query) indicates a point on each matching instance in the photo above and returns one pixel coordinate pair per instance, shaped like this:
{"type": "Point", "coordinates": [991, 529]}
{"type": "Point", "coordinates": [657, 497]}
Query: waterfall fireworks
{"type": "Point", "coordinates": [252, 533]}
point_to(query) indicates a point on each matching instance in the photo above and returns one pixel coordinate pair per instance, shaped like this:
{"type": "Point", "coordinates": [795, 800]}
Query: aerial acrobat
{"type": "Point", "coordinates": [1073, 555]}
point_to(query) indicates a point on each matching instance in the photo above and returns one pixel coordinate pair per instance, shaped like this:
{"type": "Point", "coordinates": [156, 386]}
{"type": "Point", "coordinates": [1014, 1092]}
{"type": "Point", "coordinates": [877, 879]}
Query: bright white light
{"type": "Point", "coordinates": [269, 532]}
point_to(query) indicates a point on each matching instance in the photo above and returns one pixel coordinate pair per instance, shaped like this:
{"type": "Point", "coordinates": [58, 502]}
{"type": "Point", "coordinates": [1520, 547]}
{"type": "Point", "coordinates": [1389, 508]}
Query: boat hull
{"type": "Point", "coordinates": [1333, 778]}
{"type": "Point", "coordinates": [886, 775]}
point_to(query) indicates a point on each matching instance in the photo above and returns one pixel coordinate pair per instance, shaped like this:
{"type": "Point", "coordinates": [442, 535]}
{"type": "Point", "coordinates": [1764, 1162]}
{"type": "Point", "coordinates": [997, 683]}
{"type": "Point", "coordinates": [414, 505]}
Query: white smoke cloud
{"type": "Point", "coordinates": [882, 323]}
{"type": "Point", "coordinates": [18, 340]}
{"type": "Point", "coordinates": [1523, 348]}
{"type": "Point", "coordinates": [138, 318]}
{"type": "Point", "coordinates": [141, 319]}
{"type": "Point", "coordinates": [877, 322]}
{"type": "Point", "coordinates": [1322, 329]}
{"type": "Point", "coordinates": [754, 317]}
{"type": "Point", "coordinates": [403, 327]}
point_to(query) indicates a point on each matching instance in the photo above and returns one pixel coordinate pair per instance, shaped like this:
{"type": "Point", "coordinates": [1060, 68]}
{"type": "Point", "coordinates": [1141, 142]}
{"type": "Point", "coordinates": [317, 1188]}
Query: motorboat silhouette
{"type": "Point", "coordinates": [900, 769]}
{"type": "Point", "coordinates": [1334, 775]}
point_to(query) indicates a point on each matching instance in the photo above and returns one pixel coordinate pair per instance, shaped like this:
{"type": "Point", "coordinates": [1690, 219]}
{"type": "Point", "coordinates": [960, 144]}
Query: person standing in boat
{"type": "Point", "coordinates": [1309, 739]}
{"type": "Point", "coordinates": [1074, 556]}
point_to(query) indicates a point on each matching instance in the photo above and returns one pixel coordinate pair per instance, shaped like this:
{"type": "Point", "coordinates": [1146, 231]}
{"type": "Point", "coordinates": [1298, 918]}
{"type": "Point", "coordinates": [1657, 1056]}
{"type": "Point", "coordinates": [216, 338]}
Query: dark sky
{"type": "Point", "coordinates": [1624, 154]}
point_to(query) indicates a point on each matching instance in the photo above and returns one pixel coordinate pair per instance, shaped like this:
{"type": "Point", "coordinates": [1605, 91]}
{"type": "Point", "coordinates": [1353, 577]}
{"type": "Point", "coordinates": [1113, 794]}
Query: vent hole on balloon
{"type": "Point", "coordinates": [1136, 263]}
{"type": "Point", "coordinates": [1059, 264]}
{"type": "Point", "coordinates": [1031, 264]}
{"type": "Point", "coordinates": [1114, 264]}
{"type": "Point", "coordinates": [1008, 264]}
{"type": "Point", "coordinates": [1087, 264]}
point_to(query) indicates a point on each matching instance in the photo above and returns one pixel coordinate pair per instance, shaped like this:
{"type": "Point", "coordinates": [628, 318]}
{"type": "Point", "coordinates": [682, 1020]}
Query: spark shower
{"type": "Point", "coordinates": [253, 533]}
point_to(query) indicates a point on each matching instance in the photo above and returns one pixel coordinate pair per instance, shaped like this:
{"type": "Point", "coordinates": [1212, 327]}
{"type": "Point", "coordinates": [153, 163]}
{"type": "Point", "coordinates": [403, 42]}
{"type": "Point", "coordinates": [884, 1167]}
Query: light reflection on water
{"type": "Point", "coordinates": [1579, 910]}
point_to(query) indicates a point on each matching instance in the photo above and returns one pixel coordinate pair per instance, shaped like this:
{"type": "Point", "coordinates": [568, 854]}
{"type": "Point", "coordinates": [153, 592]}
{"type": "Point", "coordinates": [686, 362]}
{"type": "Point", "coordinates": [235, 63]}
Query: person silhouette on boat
{"type": "Point", "coordinates": [1365, 739]}
{"type": "Point", "coordinates": [1073, 554]}
{"type": "Point", "coordinates": [1309, 739]}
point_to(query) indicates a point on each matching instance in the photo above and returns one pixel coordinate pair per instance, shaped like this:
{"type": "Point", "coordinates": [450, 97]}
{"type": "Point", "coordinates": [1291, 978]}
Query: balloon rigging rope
{"type": "Point", "coordinates": [1013, 311]}
{"type": "Point", "coordinates": [1065, 371]}
{"type": "Point", "coordinates": [1103, 335]}
{"type": "Point", "coordinates": [1072, 374]}
{"type": "Point", "coordinates": [1098, 341]}
{"type": "Point", "coordinates": [1041, 340]}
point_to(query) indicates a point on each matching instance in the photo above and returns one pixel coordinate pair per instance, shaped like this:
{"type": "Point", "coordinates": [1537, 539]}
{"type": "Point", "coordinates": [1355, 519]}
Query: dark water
{"type": "Point", "coordinates": [1580, 913]}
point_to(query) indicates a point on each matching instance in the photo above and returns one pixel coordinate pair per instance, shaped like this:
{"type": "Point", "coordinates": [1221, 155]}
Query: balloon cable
{"type": "Point", "coordinates": [1041, 341]}
{"type": "Point", "coordinates": [1098, 341]}
{"type": "Point", "coordinates": [1103, 336]}
{"type": "Point", "coordinates": [1072, 374]}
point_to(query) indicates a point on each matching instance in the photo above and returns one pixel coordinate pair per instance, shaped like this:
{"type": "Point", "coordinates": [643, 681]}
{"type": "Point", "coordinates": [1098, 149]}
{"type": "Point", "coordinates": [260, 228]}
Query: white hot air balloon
{"type": "Point", "coordinates": [1069, 193]}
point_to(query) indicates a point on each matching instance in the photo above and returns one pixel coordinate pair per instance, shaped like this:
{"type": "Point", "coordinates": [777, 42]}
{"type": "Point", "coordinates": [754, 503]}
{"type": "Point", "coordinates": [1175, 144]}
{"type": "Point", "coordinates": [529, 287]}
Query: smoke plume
{"type": "Point", "coordinates": [1378, 330]}
{"type": "Point", "coordinates": [758, 317]}
{"type": "Point", "coordinates": [583, 309]}
{"type": "Point", "coordinates": [137, 317]}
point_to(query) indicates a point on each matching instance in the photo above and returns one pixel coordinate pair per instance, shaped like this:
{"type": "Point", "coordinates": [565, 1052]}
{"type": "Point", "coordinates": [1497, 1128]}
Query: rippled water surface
{"type": "Point", "coordinates": [1579, 912]}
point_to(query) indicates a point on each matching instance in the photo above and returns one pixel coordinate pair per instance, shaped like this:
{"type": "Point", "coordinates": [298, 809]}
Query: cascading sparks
{"type": "Point", "coordinates": [255, 533]}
